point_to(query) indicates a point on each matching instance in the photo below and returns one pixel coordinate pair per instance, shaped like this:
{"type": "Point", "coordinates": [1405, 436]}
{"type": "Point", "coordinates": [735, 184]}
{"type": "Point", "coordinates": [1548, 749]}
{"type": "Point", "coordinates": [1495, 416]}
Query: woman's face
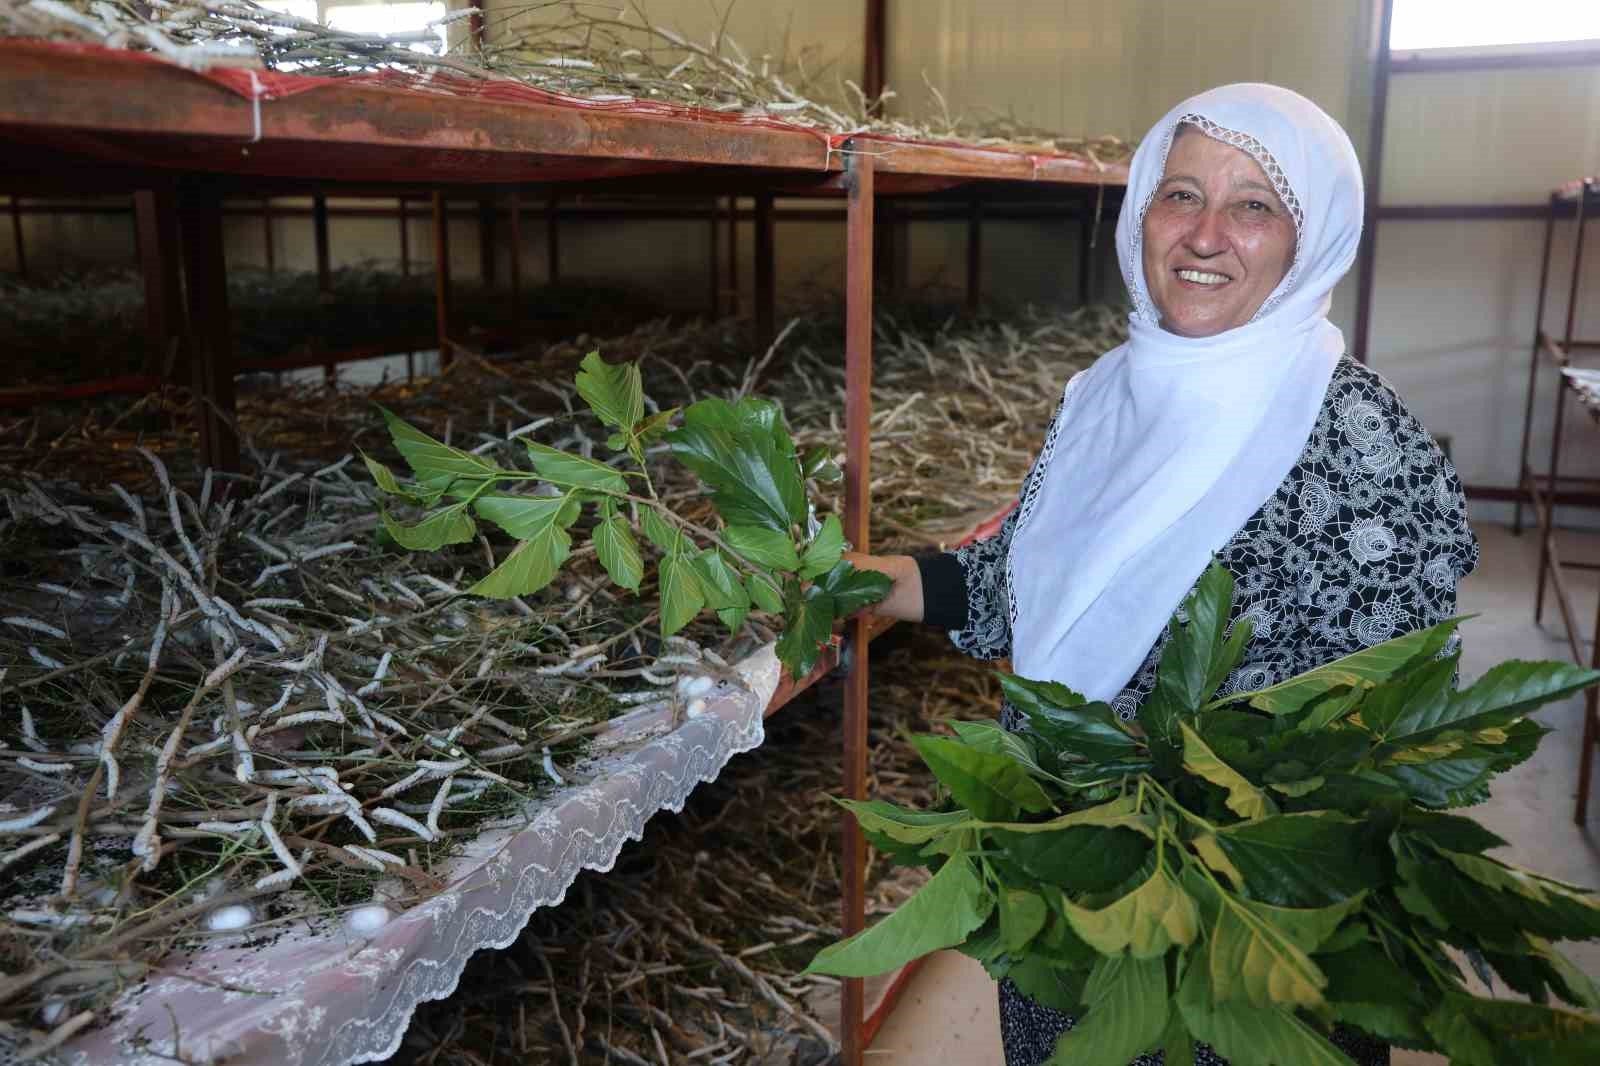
{"type": "Point", "coordinates": [1217, 240]}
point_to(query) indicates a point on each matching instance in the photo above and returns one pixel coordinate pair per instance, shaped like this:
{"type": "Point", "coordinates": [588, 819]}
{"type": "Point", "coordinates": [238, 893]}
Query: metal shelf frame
{"type": "Point", "coordinates": [1579, 199]}
{"type": "Point", "coordinates": [81, 119]}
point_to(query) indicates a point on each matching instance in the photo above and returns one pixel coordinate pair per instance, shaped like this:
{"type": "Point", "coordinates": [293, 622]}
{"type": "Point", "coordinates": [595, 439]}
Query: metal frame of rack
{"type": "Point", "coordinates": [1543, 489]}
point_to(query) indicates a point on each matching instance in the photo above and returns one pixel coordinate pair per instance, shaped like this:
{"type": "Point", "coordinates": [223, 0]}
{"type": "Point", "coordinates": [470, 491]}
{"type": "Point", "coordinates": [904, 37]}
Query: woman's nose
{"type": "Point", "coordinates": [1205, 237]}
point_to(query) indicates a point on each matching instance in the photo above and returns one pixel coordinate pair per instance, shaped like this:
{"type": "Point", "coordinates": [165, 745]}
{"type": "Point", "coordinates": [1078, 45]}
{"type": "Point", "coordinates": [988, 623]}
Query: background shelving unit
{"type": "Point", "coordinates": [1580, 198]}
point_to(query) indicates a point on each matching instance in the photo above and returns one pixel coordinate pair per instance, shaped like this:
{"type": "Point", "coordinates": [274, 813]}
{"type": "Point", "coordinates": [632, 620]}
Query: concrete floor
{"type": "Point", "coordinates": [948, 1014]}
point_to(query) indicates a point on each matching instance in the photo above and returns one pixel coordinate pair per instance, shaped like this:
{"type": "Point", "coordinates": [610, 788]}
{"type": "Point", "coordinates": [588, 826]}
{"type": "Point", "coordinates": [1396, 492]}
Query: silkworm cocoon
{"type": "Point", "coordinates": [696, 708]}
{"type": "Point", "coordinates": [364, 921]}
{"type": "Point", "coordinates": [227, 919]}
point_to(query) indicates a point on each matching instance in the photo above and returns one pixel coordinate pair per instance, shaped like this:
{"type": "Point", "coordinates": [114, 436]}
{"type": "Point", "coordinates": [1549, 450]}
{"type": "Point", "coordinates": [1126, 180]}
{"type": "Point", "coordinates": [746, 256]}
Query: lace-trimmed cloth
{"type": "Point", "coordinates": [1365, 539]}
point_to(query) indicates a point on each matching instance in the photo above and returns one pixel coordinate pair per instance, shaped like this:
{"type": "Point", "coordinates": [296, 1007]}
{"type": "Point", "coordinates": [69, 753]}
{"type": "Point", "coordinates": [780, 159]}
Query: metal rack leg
{"type": "Point", "coordinates": [858, 431]}
{"type": "Point", "coordinates": [552, 240]}
{"type": "Point", "coordinates": [16, 236]}
{"type": "Point", "coordinates": [319, 226]}
{"type": "Point", "coordinates": [733, 256]}
{"type": "Point", "coordinates": [1533, 363]}
{"type": "Point", "coordinates": [714, 256]}
{"type": "Point", "coordinates": [1591, 728]}
{"type": "Point", "coordinates": [766, 272]}
{"type": "Point", "coordinates": [210, 344]}
{"type": "Point", "coordinates": [156, 221]}
{"type": "Point", "coordinates": [974, 253]}
{"type": "Point", "coordinates": [441, 276]}
{"type": "Point", "coordinates": [516, 266]}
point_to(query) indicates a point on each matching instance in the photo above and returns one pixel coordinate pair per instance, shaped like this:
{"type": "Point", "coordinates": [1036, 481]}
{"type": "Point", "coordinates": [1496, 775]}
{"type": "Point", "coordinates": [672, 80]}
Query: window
{"type": "Point", "coordinates": [1492, 24]}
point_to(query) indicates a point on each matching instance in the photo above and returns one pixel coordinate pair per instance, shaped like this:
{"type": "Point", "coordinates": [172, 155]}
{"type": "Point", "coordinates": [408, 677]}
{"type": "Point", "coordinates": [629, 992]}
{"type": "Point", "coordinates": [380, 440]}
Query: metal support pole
{"type": "Point", "coordinates": [1373, 165]}
{"type": "Point", "coordinates": [405, 272]}
{"type": "Point", "coordinates": [441, 276]}
{"type": "Point", "coordinates": [766, 272]}
{"type": "Point", "coordinates": [156, 222]}
{"type": "Point", "coordinates": [267, 241]}
{"type": "Point", "coordinates": [733, 256]}
{"type": "Point", "coordinates": [1591, 727]}
{"type": "Point", "coordinates": [209, 343]}
{"type": "Point", "coordinates": [1561, 408]}
{"type": "Point", "coordinates": [552, 241]}
{"type": "Point", "coordinates": [1086, 236]}
{"type": "Point", "coordinates": [875, 46]}
{"type": "Point", "coordinates": [319, 226]}
{"type": "Point", "coordinates": [515, 205]}
{"type": "Point", "coordinates": [974, 253]}
{"type": "Point", "coordinates": [16, 236]}
{"type": "Point", "coordinates": [857, 514]}
{"type": "Point", "coordinates": [486, 243]}
{"type": "Point", "coordinates": [1533, 367]}
{"type": "Point", "coordinates": [714, 256]}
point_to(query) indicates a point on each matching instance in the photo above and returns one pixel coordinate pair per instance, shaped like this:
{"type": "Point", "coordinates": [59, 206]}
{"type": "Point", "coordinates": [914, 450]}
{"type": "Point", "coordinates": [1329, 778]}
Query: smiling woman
{"type": "Point", "coordinates": [1232, 427]}
{"type": "Point", "coordinates": [1217, 239]}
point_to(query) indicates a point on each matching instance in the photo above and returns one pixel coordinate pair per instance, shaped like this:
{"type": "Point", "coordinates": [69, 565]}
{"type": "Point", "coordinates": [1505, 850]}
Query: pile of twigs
{"type": "Point", "coordinates": [690, 950]}
{"type": "Point", "coordinates": [608, 54]}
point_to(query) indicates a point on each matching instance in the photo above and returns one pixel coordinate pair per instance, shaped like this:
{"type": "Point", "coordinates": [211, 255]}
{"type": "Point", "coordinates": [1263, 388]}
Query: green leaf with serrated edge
{"type": "Point", "coordinates": [1569, 982]}
{"type": "Point", "coordinates": [822, 554]}
{"type": "Point", "coordinates": [992, 787]}
{"type": "Point", "coordinates": [434, 464]}
{"type": "Point", "coordinates": [996, 739]}
{"type": "Point", "coordinates": [618, 551]}
{"type": "Point", "coordinates": [656, 426]}
{"type": "Point", "coordinates": [1305, 860]}
{"type": "Point", "coordinates": [1120, 813]}
{"type": "Point", "coordinates": [1205, 845]}
{"type": "Point", "coordinates": [1247, 1035]}
{"type": "Point", "coordinates": [765, 547]}
{"type": "Point", "coordinates": [613, 391]}
{"type": "Point", "coordinates": [1254, 961]}
{"type": "Point", "coordinates": [1577, 909]}
{"type": "Point", "coordinates": [1329, 708]}
{"type": "Point", "coordinates": [1483, 1032]}
{"type": "Point", "coordinates": [1446, 783]}
{"type": "Point", "coordinates": [854, 589]}
{"type": "Point", "coordinates": [1027, 694]}
{"type": "Point", "coordinates": [807, 625]}
{"type": "Point", "coordinates": [663, 535]}
{"type": "Point", "coordinates": [1177, 1044]}
{"type": "Point", "coordinates": [1152, 918]}
{"type": "Point", "coordinates": [1067, 722]}
{"type": "Point", "coordinates": [764, 593]}
{"type": "Point", "coordinates": [1022, 915]}
{"type": "Point", "coordinates": [533, 563]}
{"type": "Point", "coordinates": [1361, 669]}
{"type": "Point", "coordinates": [1080, 858]}
{"type": "Point", "coordinates": [1127, 1015]}
{"type": "Point", "coordinates": [574, 471]}
{"type": "Point", "coordinates": [744, 454]}
{"type": "Point", "coordinates": [724, 592]}
{"type": "Point", "coordinates": [906, 826]}
{"type": "Point", "coordinates": [1047, 983]}
{"type": "Point", "coordinates": [1490, 899]}
{"type": "Point", "coordinates": [1369, 990]}
{"type": "Point", "coordinates": [448, 525]}
{"type": "Point", "coordinates": [1244, 799]}
{"type": "Point", "coordinates": [1296, 789]}
{"type": "Point", "coordinates": [385, 479]}
{"type": "Point", "coordinates": [1186, 666]}
{"type": "Point", "coordinates": [1500, 696]}
{"type": "Point", "coordinates": [816, 460]}
{"type": "Point", "coordinates": [941, 914]}
{"type": "Point", "coordinates": [682, 595]}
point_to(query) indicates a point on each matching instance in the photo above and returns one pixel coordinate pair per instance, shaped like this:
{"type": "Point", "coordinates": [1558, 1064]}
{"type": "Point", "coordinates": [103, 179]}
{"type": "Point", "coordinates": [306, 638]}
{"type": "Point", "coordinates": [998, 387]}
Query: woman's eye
{"type": "Point", "coordinates": [1182, 196]}
{"type": "Point", "coordinates": [1257, 205]}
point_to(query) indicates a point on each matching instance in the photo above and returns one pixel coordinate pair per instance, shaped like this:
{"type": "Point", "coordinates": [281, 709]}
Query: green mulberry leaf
{"type": "Point", "coordinates": [613, 391]}
{"type": "Point", "coordinates": [569, 471]}
{"type": "Point", "coordinates": [436, 465]}
{"type": "Point", "coordinates": [447, 525]}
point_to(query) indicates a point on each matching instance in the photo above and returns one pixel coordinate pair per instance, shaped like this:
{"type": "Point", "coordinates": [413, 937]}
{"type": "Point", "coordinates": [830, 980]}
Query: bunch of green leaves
{"type": "Point", "coordinates": [1249, 870]}
{"type": "Point", "coordinates": [764, 557]}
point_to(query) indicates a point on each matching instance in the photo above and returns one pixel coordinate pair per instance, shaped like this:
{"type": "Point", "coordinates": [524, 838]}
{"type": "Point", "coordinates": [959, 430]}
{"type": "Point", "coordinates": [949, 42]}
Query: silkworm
{"type": "Point", "coordinates": [27, 821]}
{"type": "Point", "coordinates": [23, 622]}
{"type": "Point", "coordinates": [390, 816]}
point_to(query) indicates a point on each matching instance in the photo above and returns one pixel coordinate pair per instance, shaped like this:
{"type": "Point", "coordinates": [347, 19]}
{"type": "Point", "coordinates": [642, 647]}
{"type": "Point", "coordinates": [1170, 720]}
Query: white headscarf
{"type": "Point", "coordinates": [1166, 446]}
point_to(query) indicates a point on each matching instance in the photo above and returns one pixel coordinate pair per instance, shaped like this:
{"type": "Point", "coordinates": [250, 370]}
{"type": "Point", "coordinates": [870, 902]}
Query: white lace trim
{"type": "Point", "coordinates": [332, 998]}
{"type": "Point", "coordinates": [1280, 183]}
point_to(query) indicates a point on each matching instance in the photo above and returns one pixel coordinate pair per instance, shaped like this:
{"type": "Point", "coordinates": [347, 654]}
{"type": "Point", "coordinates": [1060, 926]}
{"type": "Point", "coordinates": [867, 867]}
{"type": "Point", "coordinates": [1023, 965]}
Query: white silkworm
{"type": "Point", "coordinates": [529, 427]}
{"type": "Point", "coordinates": [207, 748]}
{"type": "Point", "coordinates": [18, 854]}
{"type": "Point", "coordinates": [43, 767]}
{"type": "Point", "coordinates": [409, 596]}
{"type": "Point", "coordinates": [274, 841]}
{"type": "Point", "coordinates": [282, 877]}
{"type": "Point", "coordinates": [297, 775]}
{"type": "Point", "coordinates": [318, 801]}
{"type": "Point", "coordinates": [436, 808]}
{"type": "Point", "coordinates": [59, 590]}
{"type": "Point", "coordinates": [331, 549]}
{"type": "Point", "coordinates": [24, 622]}
{"type": "Point", "coordinates": [390, 816]}
{"type": "Point", "coordinates": [134, 505]}
{"type": "Point", "coordinates": [44, 660]}
{"type": "Point", "coordinates": [376, 856]}
{"type": "Point", "coordinates": [279, 487]}
{"type": "Point", "coordinates": [628, 699]}
{"type": "Point", "coordinates": [113, 774]}
{"type": "Point", "coordinates": [389, 723]}
{"type": "Point", "coordinates": [226, 827]}
{"type": "Point", "coordinates": [360, 854]}
{"type": "Point", "coordinates": [550, 769]}
{"type": "Point", "coordinates": [270, 571]}
{"type": "Point", "coordinates": [30, 736]}
{"type": "Point", "coordinates": [27, 821]}
{"type": "Point", "coordinates": [225, 670]}
{"type": "Point", "coordinates": [272, 601]}
{"type": "Point", "coordinates": [283, 700]}
{"type": "Point", "coordinates": [352, 811]}
{"type": "Point", "coordinates": [244, 760]}
{"type": "Point", "coordinates": [272, 551]}
{"type": "Point", "coordinates": [205, 490]}
{"type": "Point", "coordinates": [333, 468]}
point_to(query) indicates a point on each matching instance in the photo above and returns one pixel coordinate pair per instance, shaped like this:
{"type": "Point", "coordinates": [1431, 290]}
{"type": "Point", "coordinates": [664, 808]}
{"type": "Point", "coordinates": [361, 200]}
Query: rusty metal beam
{"type": "Point", "coordinates": [1373, 166]}
{"type": "Point", "coordinates": [441, 276]}
{"type": "Point", "coordinates": [857, 517]}
{"type": "Point", "coordinates": [874, 50]}
{"type": "Point", "coordinates": [21, 252]}
{"type": "Point", "coordinates": [210, 344]}
{"type": "Point", "coordinates": [1547, 563]}
{"type": "Point", "coordinates": [156, 222]}
{"type": "Point", "coordinates": [1533, 357]}
{"type": "Point", "coordinates": [766, 295]}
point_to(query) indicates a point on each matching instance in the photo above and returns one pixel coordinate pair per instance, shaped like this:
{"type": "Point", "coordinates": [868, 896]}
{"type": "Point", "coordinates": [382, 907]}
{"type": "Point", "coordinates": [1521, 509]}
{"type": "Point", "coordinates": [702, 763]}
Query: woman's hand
{"type": "Point", "coordinates": [904, 601]}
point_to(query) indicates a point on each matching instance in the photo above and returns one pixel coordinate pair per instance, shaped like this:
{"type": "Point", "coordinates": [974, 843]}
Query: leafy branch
{"type": "Point", "coordinates": [1250, 869]}
{"type": "Point", "coordinates": [765, 557]}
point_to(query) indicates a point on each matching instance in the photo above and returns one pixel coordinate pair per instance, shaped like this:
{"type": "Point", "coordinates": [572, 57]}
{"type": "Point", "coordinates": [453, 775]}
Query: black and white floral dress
{"type": "Point", "coordinates": [1364, 540]}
